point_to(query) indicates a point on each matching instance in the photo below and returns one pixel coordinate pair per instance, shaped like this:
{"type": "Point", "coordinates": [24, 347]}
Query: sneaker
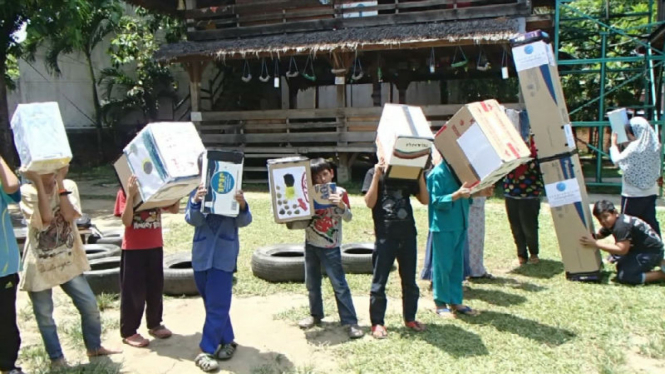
{"type": "Point", "coordinates": [206, 362]}
{"type": "Point", "coordinates": [354, 331]}
{"type": "Point", "coordinates": [226, 351]}
{"type": "Point", "coordinates": [309, 322]}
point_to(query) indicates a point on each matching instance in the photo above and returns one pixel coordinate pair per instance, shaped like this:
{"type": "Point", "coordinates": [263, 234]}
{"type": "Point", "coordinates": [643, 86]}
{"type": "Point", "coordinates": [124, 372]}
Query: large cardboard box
{"type": "Point", "coordinates": [404, 141]}
{"type": "Point", "coordinates": [543, 96]}
{"type": "Point", "coordinates": [290, 180]}
{"type": "Point", "coordinates": [567, 197]}
{"type": "Point", "coordinates": [40, 137]}
{"type": "Point", "coordinates": [222, 176]}
{"type": "Point", "coordinates": [481, 144]}
{"type": "Point", "coordinates": [164, 158]}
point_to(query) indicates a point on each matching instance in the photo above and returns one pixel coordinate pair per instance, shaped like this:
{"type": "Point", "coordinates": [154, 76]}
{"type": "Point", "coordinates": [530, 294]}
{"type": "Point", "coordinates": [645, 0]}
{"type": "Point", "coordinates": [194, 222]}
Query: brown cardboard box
{"type": "Point", "coordinates": [404, 141]}
{"type": "Point", "coordinates": [566, 193]}
{"type": "Point", "coordinates": [481, 144]}
{"type": "Point", "coordinates": [543, 96]}
{"type": "Point", "coordinates": [123, 172]}
{"type": "Point", "coordinates": [290, 181]}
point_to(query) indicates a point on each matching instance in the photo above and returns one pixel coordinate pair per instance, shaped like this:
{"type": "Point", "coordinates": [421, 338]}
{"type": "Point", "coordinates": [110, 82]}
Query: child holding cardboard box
{"type": "Point", "coordinates": [323, 239]}
{"type": "Point", "coordinates": [640, 247]}
{"type": "Point", "coordinates": [141, 267]}
{"type": "Point", "coordinates": [395, 231]}
{"type": "Point", "coordinates": [214, 256]}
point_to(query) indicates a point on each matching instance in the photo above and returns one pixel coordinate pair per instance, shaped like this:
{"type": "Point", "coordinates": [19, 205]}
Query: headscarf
{"type": "Point", "coordinates": [640, 161]}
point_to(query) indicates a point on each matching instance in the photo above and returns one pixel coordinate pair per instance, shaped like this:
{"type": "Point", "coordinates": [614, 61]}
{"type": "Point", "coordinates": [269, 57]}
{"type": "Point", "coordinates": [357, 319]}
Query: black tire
{"type": "Point", "coordinates": [357, 258]}
{"type": "Point", "coordinates": [112, 237]}
{"type": "Point", "coordinates": [98, 251]}
{"type": "Point", "coordinates": [104, 275]}
{"type": "Point", "coordinates": [280, 263]}
{"type": "Point", "coordinates": [179, 275]}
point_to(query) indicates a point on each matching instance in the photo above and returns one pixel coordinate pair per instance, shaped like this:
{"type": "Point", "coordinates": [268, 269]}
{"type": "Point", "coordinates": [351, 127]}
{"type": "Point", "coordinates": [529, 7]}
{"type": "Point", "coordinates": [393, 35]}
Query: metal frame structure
{"type": "Point", "coordinates": [646, 67]}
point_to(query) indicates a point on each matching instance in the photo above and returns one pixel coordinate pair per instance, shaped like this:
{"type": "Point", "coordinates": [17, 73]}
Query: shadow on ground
{"type": "Point", "coordinates": [451, 339]}
{"type": "Point", "coordinates": [546, 269]}
{"type": "Point", "coordinates": [494, 297]}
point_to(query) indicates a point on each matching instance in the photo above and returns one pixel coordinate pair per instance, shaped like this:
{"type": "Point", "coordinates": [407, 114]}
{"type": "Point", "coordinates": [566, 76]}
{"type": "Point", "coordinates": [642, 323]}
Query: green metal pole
{"type": "Point", "coordinates": [557, 29]}
{"type": "Point", "coordinates": [601, 107]}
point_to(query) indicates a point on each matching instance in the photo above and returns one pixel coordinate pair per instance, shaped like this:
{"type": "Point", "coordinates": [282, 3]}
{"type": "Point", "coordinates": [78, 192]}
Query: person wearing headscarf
{"type": "Point", "coordinates": [640, 167]}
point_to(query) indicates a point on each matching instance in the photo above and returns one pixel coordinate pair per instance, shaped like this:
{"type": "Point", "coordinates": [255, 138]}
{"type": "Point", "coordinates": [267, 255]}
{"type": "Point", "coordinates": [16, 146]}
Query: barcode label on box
{"type": "Point", "coordinates": [234, 205]}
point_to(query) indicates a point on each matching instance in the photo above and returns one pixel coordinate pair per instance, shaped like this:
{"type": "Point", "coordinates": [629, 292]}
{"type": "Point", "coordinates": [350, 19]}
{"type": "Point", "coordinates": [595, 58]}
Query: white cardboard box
{"type": "Point", "coordinates": [404, 140]}
{"type": "Point", "coordinates": [40, 137]}
{"type": "Point", "coordinates": [290, 180]}
{"type": "Point", "coordinates": [222, 176]}
{"type": "Point", "coordinates": [618, 121]}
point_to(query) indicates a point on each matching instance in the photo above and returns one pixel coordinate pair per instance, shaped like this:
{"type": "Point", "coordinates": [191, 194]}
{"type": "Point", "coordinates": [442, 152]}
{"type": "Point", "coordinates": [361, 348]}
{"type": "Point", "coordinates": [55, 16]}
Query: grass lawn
{"type": "Point", "coordinates": [532, 321]}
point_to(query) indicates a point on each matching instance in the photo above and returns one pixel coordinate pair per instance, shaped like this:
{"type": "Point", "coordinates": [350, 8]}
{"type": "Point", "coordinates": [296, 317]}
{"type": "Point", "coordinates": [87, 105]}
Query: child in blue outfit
{"type": "Point", "coordinates": [214, 256]}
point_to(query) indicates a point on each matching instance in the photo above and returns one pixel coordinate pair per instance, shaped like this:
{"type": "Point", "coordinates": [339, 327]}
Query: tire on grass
{"type": "Point", "coordinates": [98, 251]}
{"type": "Point", "coordinates": [104, 275]}
{"type": "Point", "coordinates": [357, 258]}
{"type": "Point", "coordinates": [280, 263]}
{"type": "Point", "coordinates": [179, 275]}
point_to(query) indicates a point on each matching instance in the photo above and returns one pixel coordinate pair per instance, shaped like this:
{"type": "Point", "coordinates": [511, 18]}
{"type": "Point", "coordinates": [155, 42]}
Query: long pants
{"type": "Point", "coordinates": [643, 208]}
{"type": "Point", "coordinates": [141, 287]}
{"type": "Point", "coordinates": [11, 339]}
{"type": "Point", "coordinates": [476, 237]}
{"type": "Point", "coordinates": [523, 218]}
{"type": "Point", "coordinates": [448, 266]}
{"type": "Point", "coordinates": [405, 250]}
{"type": "Point", "coordinates": [79, 291]}
{"type": "Point", "coordinates": [215, 287]}
{"type": "Point", "coordinates": [426, 273]}
{"type": "Point", "coordinates": [331, 260]}
{"type": "Point", "coordinates": [631, 268]}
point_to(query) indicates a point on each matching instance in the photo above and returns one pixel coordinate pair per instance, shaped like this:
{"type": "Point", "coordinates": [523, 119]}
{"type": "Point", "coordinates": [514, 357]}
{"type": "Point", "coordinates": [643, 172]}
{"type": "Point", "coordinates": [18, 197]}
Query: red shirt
{"type": "Point", "coordinates": [146, 229]}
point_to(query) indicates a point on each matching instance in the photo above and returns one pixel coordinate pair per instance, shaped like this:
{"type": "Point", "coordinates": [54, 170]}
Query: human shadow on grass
{"type": "Point", "coordinates": [525, 328]}
{"type": "Point", "coordinates": [97, 365]}
{"type": "Point", "coordinates": [513, 283]}
{"type": "Point", "coordinates": [546, 269]}
{"type": "Point", "coordinates": [328, 334]}
{"type": "Point", "coordinates": [451, 339]}
{"type": "Point", "coordinates": [494, 297]}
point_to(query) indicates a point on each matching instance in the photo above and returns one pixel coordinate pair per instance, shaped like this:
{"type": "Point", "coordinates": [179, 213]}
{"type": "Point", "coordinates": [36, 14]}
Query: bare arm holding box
{"type": "Point", "coordinates": [67, 209]}
{"type": "Point", "coordinates": [619, 248]}
{"type": "Point", "coordinates": [423, 195]}
{"type": "Point", "coordinates": [10, 183]}
{"type": "Point", "coordinates": [42, 199]}
{"type": "Point", "coordinates": [373, 192]}
{"type": "Point", "coordinates": [128, 212]}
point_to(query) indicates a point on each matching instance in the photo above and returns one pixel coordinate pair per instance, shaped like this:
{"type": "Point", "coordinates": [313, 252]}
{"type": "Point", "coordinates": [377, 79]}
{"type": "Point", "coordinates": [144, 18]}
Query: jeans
{"type": "Point", "coordinates": [86, 303]}
{"type": "Point", "coordinates": [523, 218]}
{"type": "Point", "coordinates": [216, 288]}
{"type": "Point", "coordinates": [405, 250]}
{"type": "Point", "coordinates": [631, 267]}
{"type": "Point", "coordinates": [11, 339]}
{"type": "Point", "coordinates": [331, 259]}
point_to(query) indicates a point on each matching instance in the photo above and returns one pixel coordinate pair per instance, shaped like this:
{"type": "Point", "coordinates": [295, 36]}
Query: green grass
{"type": "Point", "coordinates": [532, 321]}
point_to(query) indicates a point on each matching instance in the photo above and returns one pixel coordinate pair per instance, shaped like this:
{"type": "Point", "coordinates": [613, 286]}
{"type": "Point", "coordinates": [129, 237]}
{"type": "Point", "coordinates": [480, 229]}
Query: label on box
{"type": "Point", "coordinates": [222, 180]}
{"type": "Point", "coordinates": [570, 137]}
{"type": "Point", "coordinates": [531, 55]}
{"type": "Point", "coordinates": [563, 193]}
{"type": "Point", "coordinates": [322, 195]}
{"type": "Point", "coordinates": [479, 151]}
{"type": "Point", "coordinates": [550, 55]}
{"type": "Point", "coordinates": [339, 80]}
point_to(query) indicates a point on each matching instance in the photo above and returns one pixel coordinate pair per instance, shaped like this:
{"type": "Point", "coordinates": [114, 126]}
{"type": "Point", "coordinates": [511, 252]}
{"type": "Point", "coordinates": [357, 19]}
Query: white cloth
{"type": "Point", "coordinates": [640, 161]}
{"type": "Point", "coordinates": [476, 236]}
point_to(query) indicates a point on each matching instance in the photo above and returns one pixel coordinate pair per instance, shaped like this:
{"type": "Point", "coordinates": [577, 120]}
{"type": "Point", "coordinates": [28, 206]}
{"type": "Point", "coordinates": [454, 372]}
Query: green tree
{"type": "Point", "coordinates": [79, 28]}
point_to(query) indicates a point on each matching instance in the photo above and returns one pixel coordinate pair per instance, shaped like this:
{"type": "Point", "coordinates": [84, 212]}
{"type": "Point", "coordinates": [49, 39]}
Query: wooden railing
{"type": "Point", "coordinates": [303, 131]}
{"type": "Point", "coordinates": [265, 17]}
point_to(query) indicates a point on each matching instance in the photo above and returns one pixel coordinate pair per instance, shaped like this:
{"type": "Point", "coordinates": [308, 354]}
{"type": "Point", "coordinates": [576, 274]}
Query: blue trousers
{"type": "Point", "coordinates": [215, 287]}
{"type": "Point", "coordinates": [448, 266]}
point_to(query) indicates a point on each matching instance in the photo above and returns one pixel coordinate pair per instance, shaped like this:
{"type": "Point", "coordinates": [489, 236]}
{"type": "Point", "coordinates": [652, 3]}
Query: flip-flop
{"type": "Point", "coordinates": [444, 313]}
{"type": "Point", "coordinates": [415, 326]}
{"type": "Point", "coordinates": [484, 276]}
{"type": "Point", "coordinates": [136, 341]}
{"type": "Point", "coordinates": [379, 332]}
{"type": "Point", "coordinates": [466, 311]}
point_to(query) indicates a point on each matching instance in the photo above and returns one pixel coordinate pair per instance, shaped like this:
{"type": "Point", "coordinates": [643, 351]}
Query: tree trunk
{"type": "Point", "coordinates": [7, 148]}
{"type": "Point", "coordinates": [98, 109]}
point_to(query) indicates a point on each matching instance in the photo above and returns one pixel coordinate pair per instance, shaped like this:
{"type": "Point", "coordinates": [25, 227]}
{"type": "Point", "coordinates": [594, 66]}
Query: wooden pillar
{"type": "Point", "coordinates": [195, 71]}
{"type": "Point", "coordinates": [343, 168]}
{"type": "Point", "coordinates": [402, 83]}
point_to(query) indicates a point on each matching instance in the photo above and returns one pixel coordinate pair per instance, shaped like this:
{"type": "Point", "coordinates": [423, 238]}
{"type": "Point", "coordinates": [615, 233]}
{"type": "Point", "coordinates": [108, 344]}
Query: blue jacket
{"type": "Point", "coordinates": [444, 213]}
{"type": "Point", "coordinates": [216, 243]}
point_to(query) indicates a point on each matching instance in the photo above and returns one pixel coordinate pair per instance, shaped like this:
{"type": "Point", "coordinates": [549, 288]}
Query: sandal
{"type": "Point", "coordinates": [444, 313]}
{"type": "Point", "coordinates": [465, 310]}
{"type": "Point", "coordinates": [484, 276]}
{"type": "Point", "coordinates": [136, 341]}
{"type": "Point", "coordinates": [415, 326]}
{"type": "Point", "coordinates": [206, 362]}
{"type": "Point", "coordinates": [379, 332]}
{"type": "Point", "coordinates": [160, 332]}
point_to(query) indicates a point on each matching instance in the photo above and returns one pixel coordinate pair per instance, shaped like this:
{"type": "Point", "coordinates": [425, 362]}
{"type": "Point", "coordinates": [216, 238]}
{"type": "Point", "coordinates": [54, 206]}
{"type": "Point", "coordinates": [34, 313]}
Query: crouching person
{"type": "Point", "coordinates": [214, 256]}
{"type": "Point", "coordinates": [640, 248]}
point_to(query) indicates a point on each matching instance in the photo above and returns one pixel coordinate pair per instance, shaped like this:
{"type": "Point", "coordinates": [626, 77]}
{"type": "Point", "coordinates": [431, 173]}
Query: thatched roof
{"type": "Point", "coordinates": [385, 37]}
{"type": "Point", "coordinates": [164, 6]}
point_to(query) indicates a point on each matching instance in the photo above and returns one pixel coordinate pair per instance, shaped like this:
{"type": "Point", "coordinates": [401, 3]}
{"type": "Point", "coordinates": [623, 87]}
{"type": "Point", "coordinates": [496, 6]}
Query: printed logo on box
{"type": "Point", "coordinates": [560, 186]}
{"type": "Point", "coordinates": [531, 56]}
{"type": "Point", "coordinates": [222, 182]}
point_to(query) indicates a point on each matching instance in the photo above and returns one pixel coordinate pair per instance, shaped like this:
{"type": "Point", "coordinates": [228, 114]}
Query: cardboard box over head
{"type": "Point", "coordinates": [290, 181]}
{"type": "Point", "coordinates": [567, 197]}
{"type": "Point", "coordinates": [404, 141]}
{"type": "Point", "coordinates": [222, 176]}
{"type": "Point", "coordinates": [164, 158]}
{"type": "Point", "coordinates": [543, 96]}
{"type": "Point", "coordinates": [40, 137]}
{"type": "Point", "coordinates": [481, 144]}
{"type": "Point", "coordinates": [618, 121]}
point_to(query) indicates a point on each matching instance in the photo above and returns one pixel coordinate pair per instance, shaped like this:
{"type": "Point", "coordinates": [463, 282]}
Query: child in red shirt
{"type": "Point", "coordinates": [141, 268]}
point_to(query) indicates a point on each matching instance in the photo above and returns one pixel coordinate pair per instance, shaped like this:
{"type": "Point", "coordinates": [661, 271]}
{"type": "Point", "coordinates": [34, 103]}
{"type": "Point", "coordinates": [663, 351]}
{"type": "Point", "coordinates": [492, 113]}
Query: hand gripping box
{"type": "Point", "coordinates": [404, 141]}
{"type": "Point", "coordinates": [543, 96]}
{"type": "Point", "coordinates": [222, 176]}
{"type": "Point", "coordinates": [290, 181]}
{"type": "Point", "coordinates": [481, 144]}
{"type": "Point", "coordinates": [321, 195]}
{"type": "Point", "coordinates": [164, 158]}
{"type": "Point", "coordinates": [569, 204]}
{"type": "Point", "coordinates": [40, 137]}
